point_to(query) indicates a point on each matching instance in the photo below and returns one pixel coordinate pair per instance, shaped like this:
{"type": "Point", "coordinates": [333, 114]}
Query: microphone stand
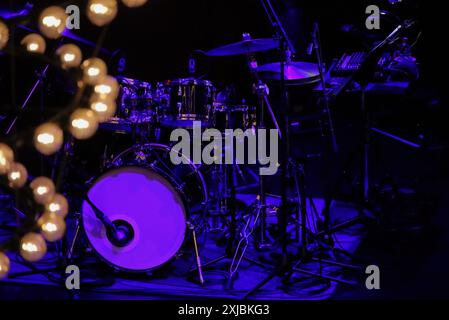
{"type": "Point", "coordinates": [40, 82]}
{"type": "Point", "coordinates": [285, 268]}
{"type": "Point", "coordinates": [286, 49]}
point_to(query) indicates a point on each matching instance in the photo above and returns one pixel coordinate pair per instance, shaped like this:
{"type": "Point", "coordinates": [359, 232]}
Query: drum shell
{"type": "Point", "coordinates": [186, 180]}
{"type": "Point", "coordinates": [190, 100]}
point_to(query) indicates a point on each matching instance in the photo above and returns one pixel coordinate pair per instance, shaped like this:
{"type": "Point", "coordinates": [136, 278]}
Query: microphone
{"type": "Point", "coordinates": [119, 232]}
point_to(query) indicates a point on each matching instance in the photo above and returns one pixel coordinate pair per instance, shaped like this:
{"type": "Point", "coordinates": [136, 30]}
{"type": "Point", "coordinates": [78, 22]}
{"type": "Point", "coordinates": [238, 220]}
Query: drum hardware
{"type": "Point", "coordinates": [262, 92]}
{"type": "Point", "coordinates": [286, 267]}
{"type": "Point", "coordinates": [236, 252]}
{"type": "Point", "coordinates": [228, 185]}
{"type": "Point", "coordinates": [197, 253]}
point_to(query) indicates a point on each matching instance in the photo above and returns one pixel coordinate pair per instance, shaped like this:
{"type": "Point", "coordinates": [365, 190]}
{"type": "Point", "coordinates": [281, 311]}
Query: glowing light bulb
{"type": "Point", "coordinates": [6, 158]}
{"type": "Point", "coordinates": [83, 124]}
{"type": "Point", "coordinates": [101, 12]}
{"type": "Point", "coordinates": [52, 22]}
{"type": "Point", "coordinates": [48, 138]}
{"type": "Point", "coordinates": [52, 226]}
{"type": "Point", "coordinates": [70, 56]}
{"type": "Point", "coordinates": [4, 265]}
{"type": "Point", "coordinates": [17, 175]}
{"type": "Point", "coordinates": [4, 35]}
{"type": "Point", "coordinates": [58, 205]}
{"type": "Point", "coordinates": [33, 247]}
{"type": "Point", "coordinates": [34, 43]}
{"type": "Point", "coordinates": [94, 70]}
{"type": "Point", "coordinates": [108, 87]}
{"type": "Point", "coordinates": [104, 107]}
{"type": "Point", "coordinates": [134, 3]}
{"type": "Point", "coordinates": [43, 190]}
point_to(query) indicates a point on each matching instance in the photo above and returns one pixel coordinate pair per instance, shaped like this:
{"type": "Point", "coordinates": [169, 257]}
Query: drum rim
{"type": "Point", "coordinates": [168, 149]}
{"type": "Point", "coordinates": [113, 265]}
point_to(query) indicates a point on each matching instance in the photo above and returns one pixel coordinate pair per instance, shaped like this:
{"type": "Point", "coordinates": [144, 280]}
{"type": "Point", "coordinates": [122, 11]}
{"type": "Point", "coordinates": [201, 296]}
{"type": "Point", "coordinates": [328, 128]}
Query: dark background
{"type": "Point", "coordinates": [158, 39]}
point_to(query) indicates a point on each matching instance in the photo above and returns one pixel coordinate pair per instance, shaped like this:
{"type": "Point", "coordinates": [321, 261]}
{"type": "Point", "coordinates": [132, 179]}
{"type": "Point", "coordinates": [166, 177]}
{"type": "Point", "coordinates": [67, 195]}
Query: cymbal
{"type": "Point", "coordinates": [297, 72]}
{"type": "Point", "coordinates": [244, 47]}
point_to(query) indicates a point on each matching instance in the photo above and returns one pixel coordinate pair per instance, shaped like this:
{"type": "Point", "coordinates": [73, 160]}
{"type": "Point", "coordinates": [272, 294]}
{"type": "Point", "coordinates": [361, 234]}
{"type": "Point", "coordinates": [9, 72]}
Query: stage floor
{"type": "Point", "coordinates": [177, 281]}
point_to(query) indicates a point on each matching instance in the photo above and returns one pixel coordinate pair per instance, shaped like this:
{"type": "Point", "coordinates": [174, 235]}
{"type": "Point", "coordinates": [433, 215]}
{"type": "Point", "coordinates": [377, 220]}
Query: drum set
{"type": "Point", "coordinates": [142, 209]}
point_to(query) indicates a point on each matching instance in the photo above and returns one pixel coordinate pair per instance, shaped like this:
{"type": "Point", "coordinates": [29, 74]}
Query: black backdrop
{"type": "Point", "coordinates": [158, 39]}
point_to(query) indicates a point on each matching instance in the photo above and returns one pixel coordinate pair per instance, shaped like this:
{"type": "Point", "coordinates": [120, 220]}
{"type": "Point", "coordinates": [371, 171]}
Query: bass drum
{"type": "Point", "coordinates": [149, 200]}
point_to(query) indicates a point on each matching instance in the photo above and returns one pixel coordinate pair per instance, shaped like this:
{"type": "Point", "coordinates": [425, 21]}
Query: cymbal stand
{"type": "Point", "coordinates": [285, 267]}
{"type": "Point", "coordinates": [262, 92]}
{"type": "Point", "coordinates": [230, 200]}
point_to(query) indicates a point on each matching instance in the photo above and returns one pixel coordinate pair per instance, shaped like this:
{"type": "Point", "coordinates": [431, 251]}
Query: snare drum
{"type": "Point", "coordinates": [190, 100]}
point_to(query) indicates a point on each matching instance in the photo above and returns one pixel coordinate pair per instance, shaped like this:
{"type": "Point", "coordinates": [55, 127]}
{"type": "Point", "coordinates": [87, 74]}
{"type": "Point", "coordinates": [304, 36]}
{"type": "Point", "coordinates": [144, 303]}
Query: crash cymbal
{"type": "Point", "coordinates": [295, 72]}
{"type": "Point", "coordinates": [244, 47]}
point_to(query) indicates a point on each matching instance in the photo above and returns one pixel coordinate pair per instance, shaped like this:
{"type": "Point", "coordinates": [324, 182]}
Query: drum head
{"type": "Point", "coordinates": [148, 203]}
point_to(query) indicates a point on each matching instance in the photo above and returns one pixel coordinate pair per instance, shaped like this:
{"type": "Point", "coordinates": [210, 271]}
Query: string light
{"type": "Point", "coordinates": [83, 124]}
{"type": "Point", "coordinates": [48, 138]}
{"type": "Point", "coordinates": [6, 158]}
{"type": "Point", "coordinates": [43, 190]}
{"type": "Point", "coordinates": [52, 22]}
{"type": "Point", "coordinates": [4, 265]}
{"type": "Point", "coordinates": [58, 205]}
{"type": "Point", "coordinates": [34, 43]}
{"type": "Point", "coordinates": [17, 175]}
{"type": "Point", "coordinates": [101, 12]}
{"type": "Point", "coordinates": [104, 107]}
{"type": "Point", "coordinates": [107, 87]}
{"type": "Point", "coordinates": [134, 3]}
{"type": "Point", "coordinates": [94, 71]}
{"type": "Point", "coordinates": [4, 35]}
{"type": "Point", "coordinates": [33, 247]}
{"type": "Point", "coordinates": [52, 226]}
{"type": "Point", "coordinates": [70, 56]}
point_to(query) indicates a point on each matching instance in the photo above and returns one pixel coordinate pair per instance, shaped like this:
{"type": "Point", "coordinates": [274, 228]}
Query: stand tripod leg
{"type": "Point", "coordinates": [324, 277]}
{"type": "Point", "coordinates": [260, 285]}
{"type": "Point", "coordinates": [74, 241]}
{"type": "Point", "coordinates": [197, 256]}
{"type": "Point", "coordinates": [241, 247]}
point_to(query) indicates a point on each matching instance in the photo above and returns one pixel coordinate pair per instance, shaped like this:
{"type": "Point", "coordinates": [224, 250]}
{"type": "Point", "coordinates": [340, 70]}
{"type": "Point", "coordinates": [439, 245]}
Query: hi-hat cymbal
{"type": "Point", "coordinates": [244, 47]}
{"type": "Point", "coordinates": [296, 72]}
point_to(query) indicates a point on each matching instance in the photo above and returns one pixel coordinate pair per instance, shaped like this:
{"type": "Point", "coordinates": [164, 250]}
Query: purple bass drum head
{"type": "Point", "coordinates": [146, 202]}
